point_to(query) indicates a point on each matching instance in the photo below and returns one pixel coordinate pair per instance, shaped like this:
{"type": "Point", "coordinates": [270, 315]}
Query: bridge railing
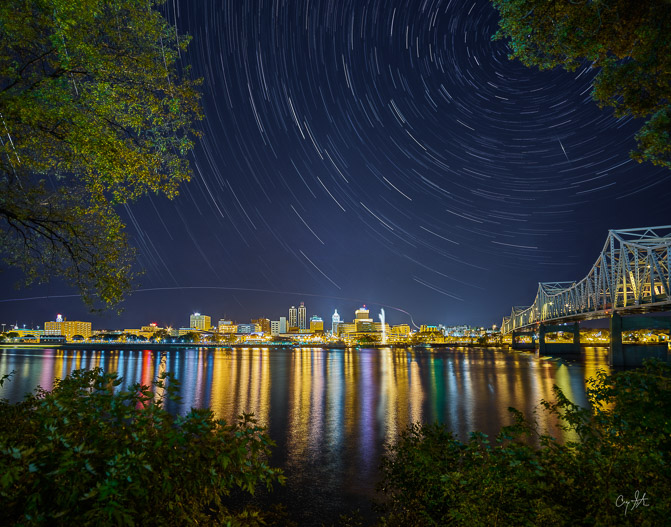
{"type": "Point", "coordinates": [631, 272]}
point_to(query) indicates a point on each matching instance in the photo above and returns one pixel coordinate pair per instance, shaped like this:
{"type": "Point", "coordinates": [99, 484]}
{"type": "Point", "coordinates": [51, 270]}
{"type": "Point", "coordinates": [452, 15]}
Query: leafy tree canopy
{"type": "Point", "coordinates": [616, 452]}
{"type": "Point", "coordinates": [629, 40]}
{"type": "Point", "coordinates": [95, 112]}
{"type": "Point", "coordinates": [90, 453]}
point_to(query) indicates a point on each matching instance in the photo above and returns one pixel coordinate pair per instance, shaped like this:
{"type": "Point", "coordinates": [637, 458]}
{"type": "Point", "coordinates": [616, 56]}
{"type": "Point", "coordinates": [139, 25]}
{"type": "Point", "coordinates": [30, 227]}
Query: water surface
{"type": "Point", "coordinates": [332, 411]}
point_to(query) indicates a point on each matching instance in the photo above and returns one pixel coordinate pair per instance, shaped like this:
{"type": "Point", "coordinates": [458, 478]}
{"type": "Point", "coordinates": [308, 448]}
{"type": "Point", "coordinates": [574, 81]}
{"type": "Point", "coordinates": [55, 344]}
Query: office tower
{"type": "Point", "coordinates": [335, 320]}
{"type": "Point", "coordinates": [283, 325]}
{"type": "Point", "coordinates": [293, 317]}
{"type": "Point", "coordinates": [263, 323]}
{"type": "Point", "coordinates": [316, 324]}
{"type": "Point", "coordinates": [302, 317]}
{"type": "Point", "coordinates": [198, 321]}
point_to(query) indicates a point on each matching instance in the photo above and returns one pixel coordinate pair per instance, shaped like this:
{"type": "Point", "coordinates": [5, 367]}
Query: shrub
{"type": "Point", "coordinates": [89, 453]}
{"type": "Point", "coordinates": [620, 453]}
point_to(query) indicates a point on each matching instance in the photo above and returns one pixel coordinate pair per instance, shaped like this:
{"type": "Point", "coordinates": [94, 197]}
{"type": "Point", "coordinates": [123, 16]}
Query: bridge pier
{"type": "Point", "coordinates": [523, 345]}
{"type": "Point", "coordinates": [634, 354]}
{"type": "Point", "coordinates": [558, 348]}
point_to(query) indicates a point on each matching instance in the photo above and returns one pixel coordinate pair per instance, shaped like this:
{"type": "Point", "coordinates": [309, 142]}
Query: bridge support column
{"type": "Point", "coordinates": [558, 348]}
{"type": "Point", "coordinates": [542, 346]}
{"type": "Point", "coordinates": [632, 355]}
{"type": "Point", "coordinates": [523, 345]}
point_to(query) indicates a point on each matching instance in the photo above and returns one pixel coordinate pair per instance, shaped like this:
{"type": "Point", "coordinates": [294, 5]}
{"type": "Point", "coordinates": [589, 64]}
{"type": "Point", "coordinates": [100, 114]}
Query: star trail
{"type": "Point", "coordinates": [383, 152]}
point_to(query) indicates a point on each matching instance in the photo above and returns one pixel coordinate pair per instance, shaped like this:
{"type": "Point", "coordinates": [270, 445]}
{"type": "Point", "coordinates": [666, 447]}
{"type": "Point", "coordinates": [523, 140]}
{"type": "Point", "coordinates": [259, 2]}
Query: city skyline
{"type": "Point", "coordinates": [380, 153]}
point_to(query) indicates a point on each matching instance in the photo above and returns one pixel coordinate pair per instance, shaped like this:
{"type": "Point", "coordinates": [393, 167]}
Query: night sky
{"type": "Point", "coordinates": [379, 152]}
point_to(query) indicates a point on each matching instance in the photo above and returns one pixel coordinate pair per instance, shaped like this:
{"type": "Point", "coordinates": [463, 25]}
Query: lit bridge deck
{"type": "Point", "coordinates": [631, 275]}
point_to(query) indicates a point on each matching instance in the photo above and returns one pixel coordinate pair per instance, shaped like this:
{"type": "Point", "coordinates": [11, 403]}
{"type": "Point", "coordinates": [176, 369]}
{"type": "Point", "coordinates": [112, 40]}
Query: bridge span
{"type": "Point", "coordinates": [631, 276]}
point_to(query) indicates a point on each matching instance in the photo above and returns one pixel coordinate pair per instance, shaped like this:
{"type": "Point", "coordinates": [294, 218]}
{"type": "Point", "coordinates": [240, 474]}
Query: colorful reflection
{"type": "Point", "coordinates": [331, 411]}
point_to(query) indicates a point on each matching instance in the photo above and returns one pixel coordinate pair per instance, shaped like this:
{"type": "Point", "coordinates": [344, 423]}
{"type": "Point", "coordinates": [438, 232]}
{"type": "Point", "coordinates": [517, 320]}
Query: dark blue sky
{"type": "Point", "coordinates": [379, 152]}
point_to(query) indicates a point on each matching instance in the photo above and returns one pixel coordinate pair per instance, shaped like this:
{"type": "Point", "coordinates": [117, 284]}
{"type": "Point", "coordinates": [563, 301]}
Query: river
{"type": "Point", "coordinates": [332, 411]}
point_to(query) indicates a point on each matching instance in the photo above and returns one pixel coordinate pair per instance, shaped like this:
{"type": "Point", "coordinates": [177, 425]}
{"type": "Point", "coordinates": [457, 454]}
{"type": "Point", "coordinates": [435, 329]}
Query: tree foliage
{"type": "Point", "coordinates": [621, 450]}
{"type": "Point", "coordinates": [95, 112]}
{"type": "Point", "coordinates": [628, 40]}
{"type": "Point", "coordinates": [89, 453]}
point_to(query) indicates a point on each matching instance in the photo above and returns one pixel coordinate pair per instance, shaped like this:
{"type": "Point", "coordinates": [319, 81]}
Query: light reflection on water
{"type": "Point", "coordinates": [331, 411]}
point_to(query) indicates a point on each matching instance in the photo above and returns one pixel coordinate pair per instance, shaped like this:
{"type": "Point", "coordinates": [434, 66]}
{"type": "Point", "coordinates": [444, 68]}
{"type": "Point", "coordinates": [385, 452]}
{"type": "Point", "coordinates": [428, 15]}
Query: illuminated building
{"type": "Point", "coordinates": [316, 324]}
{"type": "Point", "coordinates": [202, 322]}
{"type": "Point", "coordinates": [144, 331]}
{"type": "Point", "coordinates": [363, 323]}
{"type": "Point", "coordinates": [248, 329]}
{"type": "Point", "coordinates": [293, 317]}
{"type": "Point", "coordinates": [335, 320]}
{"type": "Point", "coordinates": [302, 316]}
{"type": "Point", "coordinates": [283, 325]}
{"type": "Point", "coordinates": [402, 330]}
{"type": "Point", "coordinates": [274, 327]}
{"type": "Point", "coordinates": [67, 328]}
{"type": "Point", "coordinates": [263, 323]}
{"type": "Point", "coordinates": [362, 313]}
{"type": "Point", "coordinates": [378, 327]}
{"type": "Point", "coordinates": [227, 326]}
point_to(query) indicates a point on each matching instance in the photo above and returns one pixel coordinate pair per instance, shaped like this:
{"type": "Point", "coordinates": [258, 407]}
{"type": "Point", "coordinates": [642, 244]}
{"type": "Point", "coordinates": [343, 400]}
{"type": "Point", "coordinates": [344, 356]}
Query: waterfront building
{"type": "Point", "coordinates": [248, 329]}
{"type": "Point", "coordinates": [274, 327]}
{"type": "Point", "coordinates": [284, 326]}
{"type": "Point", "coordinates": [67, 328]}
{"type": "Point", "coordinates": [401, 330]}
{"type": "Point", "coordinates": [144, 331]}
{"type": "Point", "coordinates": [202, 322]}
{"type": "Point", "coordinates": [335, 320]}
{"type": "Point", "coordinates": [293, 317]}
{"type": "Point", "coordinates": [316, 324]}
{"type": "Point", "coordinates": [263, 323]}
{"type": "Point", "coordinates": [363, 322]}
{"type": "Point", "coordinates": [302, 316]}
{"type": "Point", "coordinates": [378, 327]}
{"type": "Point", "coordinates": [227, 326]}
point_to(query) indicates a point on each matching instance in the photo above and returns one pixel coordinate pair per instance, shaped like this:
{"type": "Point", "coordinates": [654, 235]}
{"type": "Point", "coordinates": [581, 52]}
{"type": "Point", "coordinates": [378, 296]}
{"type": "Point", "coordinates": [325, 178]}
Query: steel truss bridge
{"type": "Point", "coordinates": [631, 275]}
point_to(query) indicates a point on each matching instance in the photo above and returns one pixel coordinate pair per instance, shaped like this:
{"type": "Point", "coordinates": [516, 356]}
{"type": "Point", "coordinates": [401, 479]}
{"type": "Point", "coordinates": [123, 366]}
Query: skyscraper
{"type": "Point", "coordinates": [335, 320]}
{"type": "Point", "coordinates": [293, 318]}
{"type": "Point", "coordinates": [302, 317]}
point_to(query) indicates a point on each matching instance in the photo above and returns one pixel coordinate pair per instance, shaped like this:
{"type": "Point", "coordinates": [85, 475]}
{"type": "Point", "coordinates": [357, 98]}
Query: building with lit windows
{"type": "Point", "coordinates": [335, 320]}
{"type": "Point", "coordinates": [316, 324]}
{"type": "Point", "coordinates": [363, 322]}
{"type": "Point", "coordinates": [302, 316]}
{"type": "Point", "coordinates": [293, 317]}
{"type": "Point", "coordinates": [227, 326]}
{"type": "Point", "coordinates": [263, 323]}
{"type": "Point", "coordinates": [67, 328]}
{"type": "Point", "coordinates": [201, 322]}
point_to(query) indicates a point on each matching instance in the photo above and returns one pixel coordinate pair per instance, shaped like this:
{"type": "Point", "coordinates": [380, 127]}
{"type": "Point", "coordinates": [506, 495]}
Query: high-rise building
{"type": "Point", "coordinates": [362, 313]}
{"type": "Point", "coordinates": [274, 327]}
{"type": "Point", "coordinates": [302, 316]}
{"type": "Point", "coordinates": [283, 325]}
{"type": "Point", "coordinates": [198, 321]}
{"type": "Point", "coordinates": [293, 317]}
{"type": "Point", "coordinates": [363, 323]}
{"type": "Point", "coordinates": [264, 323]}
{"type": "Point", "coordinates": [67, 328]}
{"type": "Point", "coordinates": [316, 324]}
{"type": "Point", "coordinates": [335, 320]}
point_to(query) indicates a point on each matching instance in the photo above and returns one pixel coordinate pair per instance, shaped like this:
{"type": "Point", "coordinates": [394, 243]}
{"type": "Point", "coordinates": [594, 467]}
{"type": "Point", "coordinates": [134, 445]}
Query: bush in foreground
{"type": "Point", "coordinates": [615, 472]}
{"type": "Point", "coordinates": [88, 453]}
